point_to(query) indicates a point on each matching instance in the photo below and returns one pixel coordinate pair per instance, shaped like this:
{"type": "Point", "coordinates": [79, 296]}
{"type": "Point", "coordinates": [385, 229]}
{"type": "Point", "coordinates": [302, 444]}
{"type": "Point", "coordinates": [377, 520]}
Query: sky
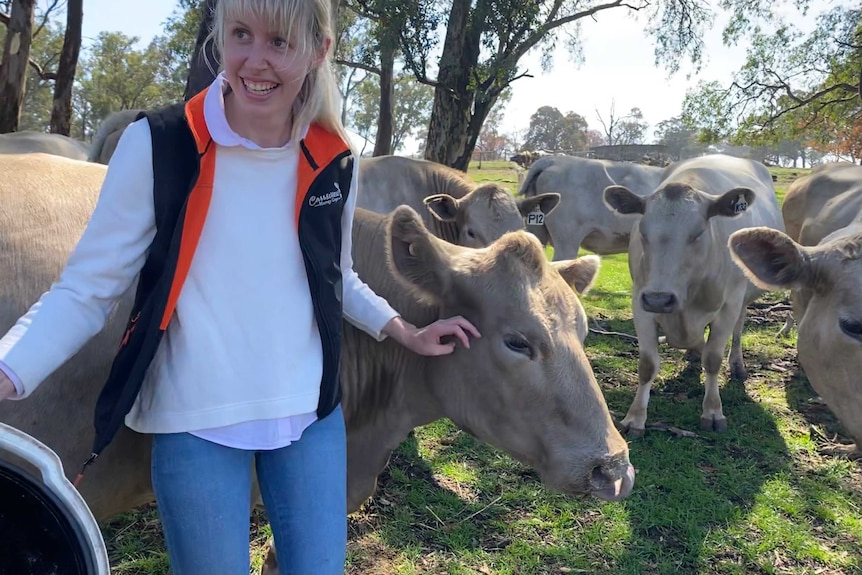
{"type": "Point", "coordinates": [618, 65]}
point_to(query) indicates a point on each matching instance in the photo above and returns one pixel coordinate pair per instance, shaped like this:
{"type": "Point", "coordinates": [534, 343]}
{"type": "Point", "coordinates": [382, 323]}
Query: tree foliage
{"type": "Point", "coordinates": [485, 40]}
{"type": "Point", "coordinates": [623, 130]}
{"type": "Point", "coordinates": [411, 111]}
{"type": "Point", "coordinates": [113, 73]}
{"type": "Point", "coordinates": [117, 76]}
{"type": "Point", "coordinates": [550, 130]}
{"type": "Point", "coordinates": [679, 138]}
{"type": "Point", "coordinates": [793, 86]}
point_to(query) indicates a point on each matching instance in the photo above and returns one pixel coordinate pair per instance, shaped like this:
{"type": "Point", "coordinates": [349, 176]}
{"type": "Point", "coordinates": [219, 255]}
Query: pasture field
{"type": "Point", "coordinates": [758, 499]}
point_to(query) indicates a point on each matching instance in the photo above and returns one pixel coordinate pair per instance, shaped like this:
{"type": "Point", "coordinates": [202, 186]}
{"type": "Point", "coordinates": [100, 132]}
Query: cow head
{"type": "Point", "coordinates": [526, 385]}
{"type": "Point", "coordinates": [485, 214]}
{"type": "Point", "coordinates": [827, 287]}
{"type": "Point", "coordinates": [671, 242]}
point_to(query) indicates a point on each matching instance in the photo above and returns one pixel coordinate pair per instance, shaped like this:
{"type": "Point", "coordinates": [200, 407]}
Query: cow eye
{"type": "Point", "coordinates": [851, 328]}
{"type": "Point", "coordinates": [470, 234]}
{"type": "Point", "coordinates": [696, 236]}
{"type": "Point", "coordinates": [518, 344]}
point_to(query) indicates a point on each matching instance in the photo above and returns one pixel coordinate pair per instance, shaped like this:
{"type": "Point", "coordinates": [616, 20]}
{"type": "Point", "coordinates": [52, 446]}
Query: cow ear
{"type": "Point", "coordinates": [769, 258]}
{"type": "Point", "coordinates": [418, 259]}
{"type": "Point", "coordinates": [442, 206]}
{"type": "Point", "coordinates": [731, 203]}
{"type": "Point", "coordinates": [579, 273]}
{"type": "Point", "coordinates": [544, 202]}
{"type": "Point", "coordinates": [623, 201]}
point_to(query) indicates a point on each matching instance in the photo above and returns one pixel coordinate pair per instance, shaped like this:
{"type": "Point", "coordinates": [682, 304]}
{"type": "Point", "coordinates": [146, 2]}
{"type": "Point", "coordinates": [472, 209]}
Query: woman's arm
{"type": "Point", "coordinates": [101, 268]}
{"type": "Point", "coordinates": [371, 313]}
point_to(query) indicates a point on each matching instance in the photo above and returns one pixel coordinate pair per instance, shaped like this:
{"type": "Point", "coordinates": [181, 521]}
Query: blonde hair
{"type": "Point", "coordinates": [310, 21]}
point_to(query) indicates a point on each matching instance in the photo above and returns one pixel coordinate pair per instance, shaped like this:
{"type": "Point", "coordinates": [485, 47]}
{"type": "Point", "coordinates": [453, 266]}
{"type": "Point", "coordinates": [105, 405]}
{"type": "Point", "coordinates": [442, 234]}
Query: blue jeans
{"type": "Point", "coordinates": [203, 493]}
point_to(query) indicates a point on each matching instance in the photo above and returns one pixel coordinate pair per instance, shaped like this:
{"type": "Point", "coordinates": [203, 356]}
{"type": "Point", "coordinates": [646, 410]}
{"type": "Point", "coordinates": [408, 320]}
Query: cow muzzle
{"type": "Point", "coordinates": [612, 481]}
{"type": "Point", "coordinates": [659, 302]}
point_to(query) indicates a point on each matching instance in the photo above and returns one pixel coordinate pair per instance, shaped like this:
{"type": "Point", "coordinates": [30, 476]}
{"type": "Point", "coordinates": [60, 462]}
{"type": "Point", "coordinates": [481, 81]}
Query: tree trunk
{"type": "Point", "coordinates": [453, 100]}
{"type": "Point", "coordinates": [383, 142]}
{"type": "Point", "coordinates": [13, 66]}
{"type": "Point", "coordinates": [474, 129]}
{"type": "Point", "coordinates": [61, 111]}
{"type": "Point", "coordinates": [203, 57]}
{"type": "Point", "coordinates": [333, 9]}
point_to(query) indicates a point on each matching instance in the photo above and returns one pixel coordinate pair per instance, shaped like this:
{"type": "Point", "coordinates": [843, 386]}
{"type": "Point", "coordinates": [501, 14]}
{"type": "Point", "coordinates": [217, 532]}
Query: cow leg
{"type": "Point", "coordinates": [785, 329]}
{"type": "Point", "coordinates": [368, 449]}
{"type": "Point", "coordinates": [737, 366]}
{"type": "Point", "coordinates": [796, 307]}
{"type": "Point", "coordinates": [712, 418]}
{"type": "Point", "coordinates": [634, 423]}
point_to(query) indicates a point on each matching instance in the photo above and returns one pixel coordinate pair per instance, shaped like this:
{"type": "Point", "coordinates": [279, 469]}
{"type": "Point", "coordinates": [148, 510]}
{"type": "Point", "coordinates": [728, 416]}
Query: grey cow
{"type": "Point", "coordinates": [582, 220]}
{"type": "Point", "coordinates": [684, 279]}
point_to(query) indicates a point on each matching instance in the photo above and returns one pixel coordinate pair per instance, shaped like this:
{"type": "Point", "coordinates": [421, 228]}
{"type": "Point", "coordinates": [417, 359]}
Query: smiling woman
{"type": "Point", "coordinates": [270, 71]}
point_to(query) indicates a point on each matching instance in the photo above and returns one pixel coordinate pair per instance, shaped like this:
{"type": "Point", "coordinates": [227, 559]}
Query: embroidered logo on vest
{"type": "Point", "coordinates": [326, 199]}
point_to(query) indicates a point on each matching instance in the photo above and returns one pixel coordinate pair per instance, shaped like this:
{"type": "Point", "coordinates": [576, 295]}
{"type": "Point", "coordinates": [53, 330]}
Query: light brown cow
{"type": "Point", "coordinates": [826, 200]}
{"type": "Point", "coordinates": [824, 272]}
{"type": "Point", "coordinates": [582, 219]}
{"type": "Point", "coordinates": [525, 386]}
{"type": "Point", "coordinates": [26, 142]}
{"type": "Point", "coordinates": [683, 277]}
{"type": "Point", "coordinates": [108, 135]}
{"type": "Point", "coordinates": [819, 203]}
{"type": "Point", "coordinates": [453, 206]}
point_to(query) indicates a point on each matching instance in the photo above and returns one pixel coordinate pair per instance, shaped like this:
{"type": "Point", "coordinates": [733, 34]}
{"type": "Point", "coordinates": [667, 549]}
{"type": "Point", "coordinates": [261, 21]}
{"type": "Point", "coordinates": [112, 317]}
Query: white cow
{"type": "Point", "coordinates": [684, 279]}
{"type": "Point", "coordinates": [582, 219]}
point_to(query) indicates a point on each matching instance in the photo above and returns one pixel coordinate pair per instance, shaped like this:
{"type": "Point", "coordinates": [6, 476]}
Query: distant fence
{"type": "Point", "coordinates": [630, 152]}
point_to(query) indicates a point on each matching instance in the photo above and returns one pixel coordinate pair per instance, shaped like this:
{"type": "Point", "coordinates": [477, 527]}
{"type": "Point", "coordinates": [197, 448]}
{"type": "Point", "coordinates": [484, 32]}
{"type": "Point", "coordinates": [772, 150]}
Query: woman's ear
{"type": "Point", "coordinates": [320, 57]}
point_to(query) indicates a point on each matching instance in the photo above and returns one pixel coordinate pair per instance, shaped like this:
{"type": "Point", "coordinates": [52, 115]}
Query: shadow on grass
{"type": "Point", "coordinates": [420, 511]}
{"type": "Point", "coordinates": [689, 487]}
{"type": "Point", "coordinates": [686, 488]}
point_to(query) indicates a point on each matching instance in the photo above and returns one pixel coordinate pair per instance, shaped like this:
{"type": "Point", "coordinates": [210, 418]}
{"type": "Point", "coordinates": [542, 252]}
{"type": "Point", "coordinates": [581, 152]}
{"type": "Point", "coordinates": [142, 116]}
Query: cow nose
{"type": "Point", "coordinates": [659, 302]}
{"type": "Point", "coordinates": [612, 481]}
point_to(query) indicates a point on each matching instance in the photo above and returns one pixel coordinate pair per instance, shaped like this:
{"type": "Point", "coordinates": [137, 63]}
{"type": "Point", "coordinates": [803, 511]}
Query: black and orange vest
{"type": "Point", "coordinates": [184, 158]}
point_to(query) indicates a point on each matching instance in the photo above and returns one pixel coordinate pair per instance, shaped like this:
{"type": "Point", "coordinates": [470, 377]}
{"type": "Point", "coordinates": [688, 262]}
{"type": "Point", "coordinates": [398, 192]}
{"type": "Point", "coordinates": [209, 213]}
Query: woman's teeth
{"type": "Point", "coordinates": [259, 87]}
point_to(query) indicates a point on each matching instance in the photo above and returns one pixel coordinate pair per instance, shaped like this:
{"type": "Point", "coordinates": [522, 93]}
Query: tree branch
{"type": "Point", "coordinates": [519, 50]}
{"type": "Point", "coordinates": [360, 8]}
{"type": "Point", "coordinates": [45, 17]}
{"type": "Point", "coordinates": [359, 65]}
{"type": "Point", "coordinates": [47, 76]}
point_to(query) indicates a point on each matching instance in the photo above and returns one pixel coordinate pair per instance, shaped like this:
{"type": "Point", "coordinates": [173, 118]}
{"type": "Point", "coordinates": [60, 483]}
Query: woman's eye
{"type": "Point", "coordinates": [851, 327]}
{"type": "Point", "coordinates": [240, 33]}
{"type": "Point", "coordinates": [279, 43]}
{"type": "Point", "coordinates": [518, 344]}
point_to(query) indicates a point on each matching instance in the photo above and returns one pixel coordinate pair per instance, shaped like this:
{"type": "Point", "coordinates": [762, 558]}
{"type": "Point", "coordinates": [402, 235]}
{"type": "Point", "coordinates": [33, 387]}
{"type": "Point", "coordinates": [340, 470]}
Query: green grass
{"type": "Point", "coordinates": [503, 172]}
{"type": "Point", "coordinates": [758, 499]}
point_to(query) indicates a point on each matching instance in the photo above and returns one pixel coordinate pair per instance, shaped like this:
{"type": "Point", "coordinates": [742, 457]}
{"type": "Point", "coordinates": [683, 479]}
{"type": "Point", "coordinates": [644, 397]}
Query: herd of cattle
{"type": "Point", "coordinates": [704, 236]}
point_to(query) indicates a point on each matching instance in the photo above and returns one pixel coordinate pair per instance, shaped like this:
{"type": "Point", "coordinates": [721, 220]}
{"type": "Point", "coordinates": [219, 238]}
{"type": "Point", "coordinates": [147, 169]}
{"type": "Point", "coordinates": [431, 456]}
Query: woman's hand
{"type": "Point", "coordinates": [7, 388]}
{"type": "Point", "coordinates": [426, 340]}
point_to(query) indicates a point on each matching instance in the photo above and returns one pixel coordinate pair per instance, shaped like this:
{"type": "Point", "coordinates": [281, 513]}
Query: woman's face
{"type": "Point", "coordinates": [264, 69]}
